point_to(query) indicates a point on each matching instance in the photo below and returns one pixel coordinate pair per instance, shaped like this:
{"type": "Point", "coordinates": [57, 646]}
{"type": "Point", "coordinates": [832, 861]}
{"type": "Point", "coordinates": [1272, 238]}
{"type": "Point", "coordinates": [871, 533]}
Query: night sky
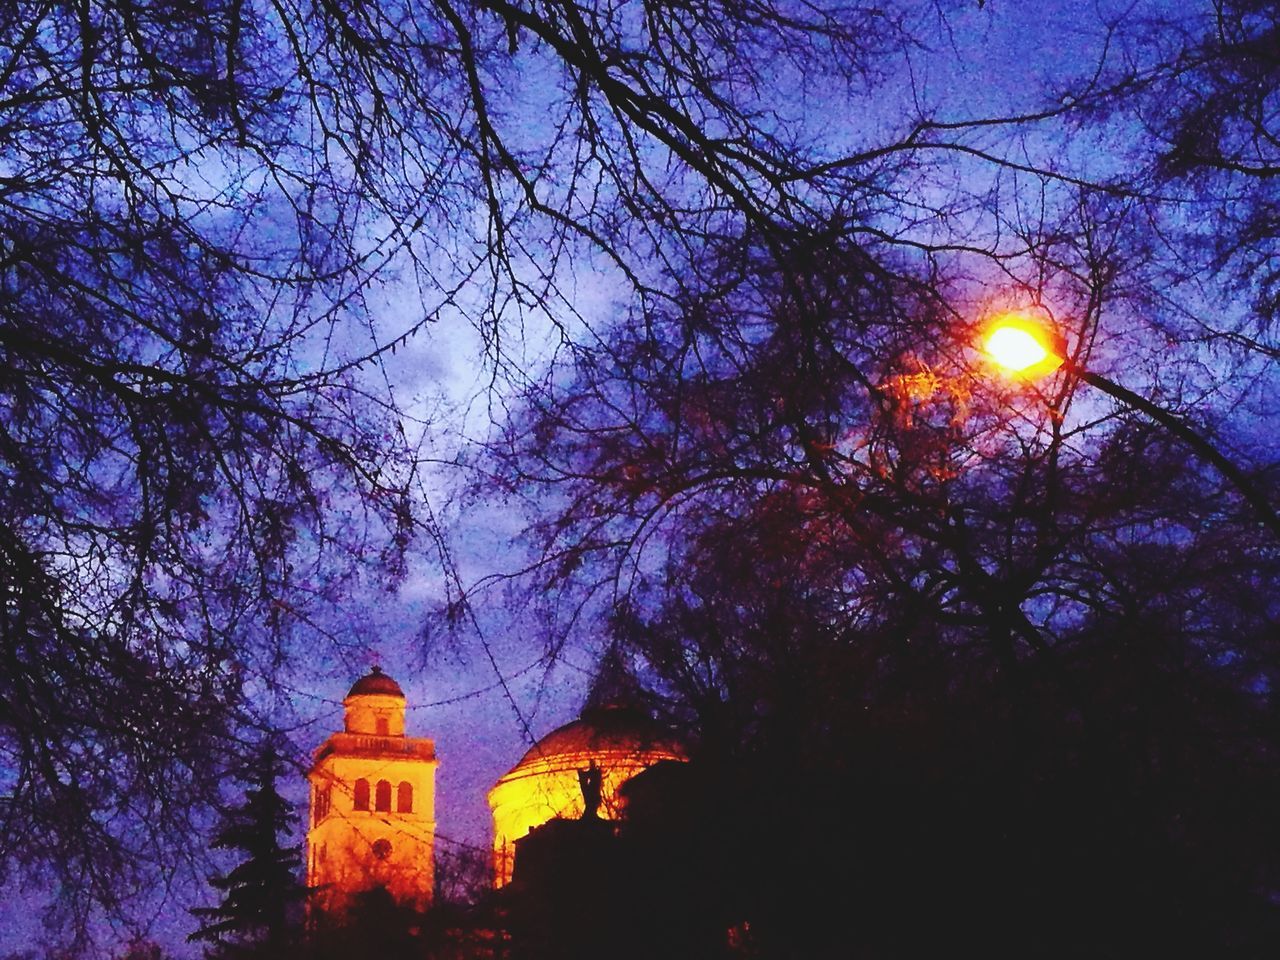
{"type": "Point", "coordinates": [985, 59]}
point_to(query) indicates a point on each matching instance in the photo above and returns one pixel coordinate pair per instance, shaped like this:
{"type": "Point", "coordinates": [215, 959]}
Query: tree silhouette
{"type": "Point", "coordinates": [965, 644]}
{"type": "Point", "coordinates": [258, 914]}
{"type": "Point", "coordinates": [202, 207]}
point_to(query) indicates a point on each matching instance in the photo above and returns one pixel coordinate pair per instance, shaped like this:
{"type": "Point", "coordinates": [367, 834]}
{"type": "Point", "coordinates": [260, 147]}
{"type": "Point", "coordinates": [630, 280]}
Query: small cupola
{"type": "Point", "coordinates": [375, 706]}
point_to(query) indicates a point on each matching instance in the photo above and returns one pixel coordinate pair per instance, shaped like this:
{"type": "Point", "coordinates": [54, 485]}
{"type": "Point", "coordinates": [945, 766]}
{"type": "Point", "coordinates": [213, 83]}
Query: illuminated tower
{"type": "Point", "coordinates": [372, 803]}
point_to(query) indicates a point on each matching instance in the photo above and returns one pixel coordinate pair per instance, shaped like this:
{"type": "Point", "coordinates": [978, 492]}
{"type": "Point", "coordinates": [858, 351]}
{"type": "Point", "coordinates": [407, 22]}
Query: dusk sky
{"type": "Point", "coordinates": [480, 688]}
{"type": "Point", "coordinates": [989, 61]}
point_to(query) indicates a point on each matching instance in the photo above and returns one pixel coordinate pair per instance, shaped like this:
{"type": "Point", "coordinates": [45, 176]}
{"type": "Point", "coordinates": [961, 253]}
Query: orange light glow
{"type": "Point", "coordinates": [545, 785]}
{"type": "Point", "coordinates": [1022, 346]}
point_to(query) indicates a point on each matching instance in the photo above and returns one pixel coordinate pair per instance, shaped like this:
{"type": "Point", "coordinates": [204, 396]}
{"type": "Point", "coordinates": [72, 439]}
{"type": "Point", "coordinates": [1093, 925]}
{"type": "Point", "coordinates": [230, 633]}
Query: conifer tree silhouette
{"type": "Point", "coordinates": [260, 891]}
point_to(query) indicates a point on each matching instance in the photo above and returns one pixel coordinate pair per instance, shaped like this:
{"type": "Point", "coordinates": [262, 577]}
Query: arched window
{"type": "Point", "coordinates": [383, 726]}
{"type": "Point", "coordinates": [320, 805]}
{"type": "Point", "coordinates": [362, 794]}
{"type": "Point", "coordinates": [404, 797]}
{"type": "Point", "coordinates": [382, 796]}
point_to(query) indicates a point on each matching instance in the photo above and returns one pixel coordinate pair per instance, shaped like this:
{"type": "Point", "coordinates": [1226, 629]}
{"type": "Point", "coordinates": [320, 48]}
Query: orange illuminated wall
{"type": "Point", "coordinates": [372, 820]}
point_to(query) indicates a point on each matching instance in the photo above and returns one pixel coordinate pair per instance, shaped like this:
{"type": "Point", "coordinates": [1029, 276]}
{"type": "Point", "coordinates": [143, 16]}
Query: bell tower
{"type": "Point", "coordinates": [372, 818]}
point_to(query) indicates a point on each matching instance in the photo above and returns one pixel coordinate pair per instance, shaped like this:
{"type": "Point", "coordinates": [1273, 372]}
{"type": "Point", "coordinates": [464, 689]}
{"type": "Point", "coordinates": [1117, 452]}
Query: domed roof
{"type": "Point", "coordinates": [376, 682]}
{"type": "Point", "coordinates": [616, 729]}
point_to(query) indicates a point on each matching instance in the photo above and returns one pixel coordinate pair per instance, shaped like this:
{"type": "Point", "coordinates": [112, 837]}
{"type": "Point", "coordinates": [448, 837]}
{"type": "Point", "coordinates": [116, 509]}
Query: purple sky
{"type": "Point", "coordinates": [982, 61]}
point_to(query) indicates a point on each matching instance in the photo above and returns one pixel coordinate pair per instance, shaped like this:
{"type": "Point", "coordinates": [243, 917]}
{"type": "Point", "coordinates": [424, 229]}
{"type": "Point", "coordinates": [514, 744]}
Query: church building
{"type": "Point", "coordinates": [372, 821]}
{"type": "Point", "coordinates": [618, 740]}
{"type": "Point", "coordinates": [372, 803]}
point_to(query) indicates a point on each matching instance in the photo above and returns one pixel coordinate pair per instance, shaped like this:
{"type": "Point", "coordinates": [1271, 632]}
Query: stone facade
{"type": "Point", "coordinates": [372, 818]}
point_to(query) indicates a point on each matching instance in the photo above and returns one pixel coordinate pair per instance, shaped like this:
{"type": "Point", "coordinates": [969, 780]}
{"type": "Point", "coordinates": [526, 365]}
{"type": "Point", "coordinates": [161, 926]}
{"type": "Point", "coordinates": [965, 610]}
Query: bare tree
{"type": "Point", "coordinates": [201, 206]}
{"type": "Point", "coordinates": [886, 591]}
{"type": "Point", "coordinates": [198, 206]}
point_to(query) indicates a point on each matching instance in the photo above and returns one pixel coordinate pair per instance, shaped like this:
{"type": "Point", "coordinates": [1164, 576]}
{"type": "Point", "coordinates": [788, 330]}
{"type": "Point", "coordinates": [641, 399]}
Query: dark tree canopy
{"type": "Point", "coordinates": [957, 672]}
{"type": "Point", "coordinates": [969, 644]}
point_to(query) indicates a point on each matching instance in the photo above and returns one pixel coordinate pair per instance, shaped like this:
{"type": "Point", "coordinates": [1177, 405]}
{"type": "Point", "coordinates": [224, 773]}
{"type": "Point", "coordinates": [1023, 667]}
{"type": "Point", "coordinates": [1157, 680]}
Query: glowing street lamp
{"type": "Point", "coordinates": [1023, 347]}
{"type": "Point", "coordinates": [1028, 349]}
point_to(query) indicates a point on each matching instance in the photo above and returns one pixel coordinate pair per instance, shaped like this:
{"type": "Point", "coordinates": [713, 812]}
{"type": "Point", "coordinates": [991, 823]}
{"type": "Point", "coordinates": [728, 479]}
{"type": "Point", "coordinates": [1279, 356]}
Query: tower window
{"type": "Point", "coordinates": [320, 803]}
{"type": "Point", "coordinates": [382, 797]}
{"type": "Point", "coordinates": [404, 797]}
{"type": "Point", "coordinates": [362, 794]}
{"type": "Point", "coordinates": [382, 726]}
